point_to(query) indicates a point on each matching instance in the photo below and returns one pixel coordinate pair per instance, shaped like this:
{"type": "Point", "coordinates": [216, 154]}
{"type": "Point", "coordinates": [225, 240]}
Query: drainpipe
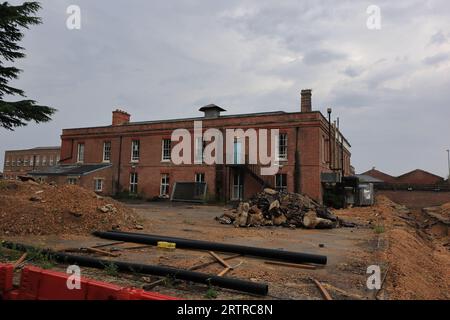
{"type": "Point", "coordinates": [119, 165]}
{"type": "Point", "coordinates": [297, 183]}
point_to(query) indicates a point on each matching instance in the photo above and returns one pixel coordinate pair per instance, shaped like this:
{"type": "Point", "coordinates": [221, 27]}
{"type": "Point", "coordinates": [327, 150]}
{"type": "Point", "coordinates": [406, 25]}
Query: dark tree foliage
{"type": "Point", "coordinates": [13, 19]}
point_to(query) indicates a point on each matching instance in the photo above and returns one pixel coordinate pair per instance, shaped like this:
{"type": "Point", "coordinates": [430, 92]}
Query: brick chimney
{"type": "Point", "coordinates": [306, 100]}
{"type": "Point", "coordinates": [120, 117]}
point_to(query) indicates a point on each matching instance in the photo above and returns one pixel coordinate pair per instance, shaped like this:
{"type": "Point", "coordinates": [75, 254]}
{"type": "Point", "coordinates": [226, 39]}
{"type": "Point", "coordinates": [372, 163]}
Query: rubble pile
{"type": "Point", "coordinates": [273, 208]}
{"type": "Point", "coordinates": [43, 209]}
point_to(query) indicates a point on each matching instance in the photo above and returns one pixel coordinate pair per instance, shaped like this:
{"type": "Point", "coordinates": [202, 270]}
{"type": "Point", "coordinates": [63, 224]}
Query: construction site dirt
{"type": "Point", "coordinates": [414, 262]}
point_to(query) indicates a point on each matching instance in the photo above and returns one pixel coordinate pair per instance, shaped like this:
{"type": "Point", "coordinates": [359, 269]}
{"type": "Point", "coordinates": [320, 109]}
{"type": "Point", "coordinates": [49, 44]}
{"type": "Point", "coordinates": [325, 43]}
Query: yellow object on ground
{"type": "Point", "coordinates": [166, 245]}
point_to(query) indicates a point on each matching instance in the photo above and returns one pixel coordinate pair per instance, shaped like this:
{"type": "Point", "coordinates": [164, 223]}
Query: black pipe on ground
{"type": "Point", "coordinates": [289, 256]}
{"type": "Point", "coordinates": [198, 277]}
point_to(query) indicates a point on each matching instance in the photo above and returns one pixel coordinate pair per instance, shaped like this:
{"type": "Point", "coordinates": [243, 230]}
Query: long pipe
{"type": "Point", "coordinates": [229, 283]}
{"type": "Point", "coordinates": [289, 256]}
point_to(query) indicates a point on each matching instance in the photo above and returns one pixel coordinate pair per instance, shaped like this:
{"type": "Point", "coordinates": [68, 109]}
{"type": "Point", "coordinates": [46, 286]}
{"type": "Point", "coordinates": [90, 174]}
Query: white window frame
{"type": "Point", "coordinates": [107, 151]}
{"type": "Point", "coordinates": [135, 150]}
{"type": "Point", "coordinates": [13, 162]}
{"type": "Point", "coordinates": [98, 184]}
{"type": "Point", "coordinates": [7, 162]}
{"type": "Point", "coordinates": [279, 187]}
{"type": "Point", "coordinates": [134, 180]}
{"type": "Point", "coordinates": [283, 137]}
{"type": "Point", "coordinates": [44, 160]}
{"type": "Point", "coordinates": [166, 148]}
{"type": "Point", "coordinates": [31, 161]}
{"type": "Point", "coordinates": [38, 160]}
{"type": "Point", "coordinates": [72, 181]}
{"type": "Point", "coordinates": [50, 162]}
{"type": "Point", "coordinates": [200, 175]}
{"type": "Point", "coordinates": [164, 185]}
{"type": "Point", "coordinates": [80, 152]}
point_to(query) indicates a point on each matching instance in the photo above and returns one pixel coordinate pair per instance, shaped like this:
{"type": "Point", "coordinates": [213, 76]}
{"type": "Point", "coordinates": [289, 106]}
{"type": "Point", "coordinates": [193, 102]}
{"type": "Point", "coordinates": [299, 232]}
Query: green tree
{"type": "Point", "coordinates": [13, 19]}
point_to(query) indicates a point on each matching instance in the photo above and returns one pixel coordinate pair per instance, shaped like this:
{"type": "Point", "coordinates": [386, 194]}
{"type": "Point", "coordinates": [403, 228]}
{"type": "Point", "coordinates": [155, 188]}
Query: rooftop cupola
{"type": "Point", "coordinates": [211, 111]}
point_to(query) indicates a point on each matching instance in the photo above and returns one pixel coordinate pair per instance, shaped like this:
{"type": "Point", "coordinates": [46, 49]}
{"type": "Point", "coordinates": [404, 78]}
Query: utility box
{"type": "Point", "coordinates": [366, 194]}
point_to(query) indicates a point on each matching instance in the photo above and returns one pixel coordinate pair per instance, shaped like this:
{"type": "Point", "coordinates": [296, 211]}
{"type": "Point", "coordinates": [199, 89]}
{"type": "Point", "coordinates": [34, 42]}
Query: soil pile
{"type": "Point", "coordinates": [418, 262]}
{"type": "Point", "coordinates": [43, 209]}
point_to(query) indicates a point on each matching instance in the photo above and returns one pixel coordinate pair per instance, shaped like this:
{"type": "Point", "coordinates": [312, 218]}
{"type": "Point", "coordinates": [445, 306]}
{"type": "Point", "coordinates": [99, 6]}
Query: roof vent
{"type": "Point", "coordinates": [211, 111]}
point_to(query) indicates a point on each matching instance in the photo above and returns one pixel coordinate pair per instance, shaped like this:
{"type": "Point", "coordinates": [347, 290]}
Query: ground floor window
{"type": "Point", "coordinates": [199, 177]}
{"type": "Point", "coordinates": [164, 189]}
{"type": "Point", "coordinates": [72, 180]}
{"type": "Point", "coordinates": [98, 185]}
{"type": "Point", "coordinates": [133, 182]}
{"type": "Point", "coordinates": [281, 182]}
{"type": "Point", "coordinates": [238, 187]}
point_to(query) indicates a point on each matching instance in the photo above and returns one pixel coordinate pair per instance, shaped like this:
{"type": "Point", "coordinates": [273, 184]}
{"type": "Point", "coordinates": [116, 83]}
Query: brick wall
{"type": "Point", "coordinates": [307, 135]}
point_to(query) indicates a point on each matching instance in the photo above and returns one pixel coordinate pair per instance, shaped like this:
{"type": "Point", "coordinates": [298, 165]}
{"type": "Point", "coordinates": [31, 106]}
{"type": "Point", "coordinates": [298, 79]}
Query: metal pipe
{"type": "Point", "coordinates": [448, 158]}
{"type": "Point", "coordinates": [289, 256]}
{"type": "Point", "coordinates": [198, 277]}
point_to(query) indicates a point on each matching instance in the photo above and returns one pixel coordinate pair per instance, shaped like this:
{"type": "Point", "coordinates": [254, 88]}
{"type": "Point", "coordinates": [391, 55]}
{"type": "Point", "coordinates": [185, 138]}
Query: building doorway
{"type": "Point", "coordinates": [238, 187]}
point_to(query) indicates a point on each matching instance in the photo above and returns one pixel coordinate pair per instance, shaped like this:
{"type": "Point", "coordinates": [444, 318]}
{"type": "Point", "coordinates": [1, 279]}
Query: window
{"type": "Point", "coordinates": [7, 162]}
{"type": "Point", "coordinates": [25, 161]}
{"type": "Point", "coordinates": [282, 147]}
{"type": "Point", "coordinates": [133, 182]}
{"type": "Point", "coordinates": [51, 161]}
{"type": "Point", "coordinates": [98, 185]}
{"type": "Point", "coordinates": [31, 160]}
{"type": "Point", "coordinates": [164, 189]}
{"type": "Point", "coordinates": [13, 162]}
{"type": "Point", "coordinates": [107, 151]}
{"type": "Point", "coordinates": [238, 187]}
{"type": "Point", "coordinates": [199, 177]}
{"type": "Point", "coordinates": [166, 150]}
{"type": "Point", "coordinates": [38, 160]}
{"type": "Point", "coordinates": [135, 150]}
{"type": "Point", "coordinates": [80, 152]}
{"type": "Point", "coordinates": [57, 159]}
{"type": "Point", "coordinates": [44, 160]}
{"type": "Point", "coordinates": [19, 162]}
{"type": "Point", "coordinates": [281, 182]}
{"type": "Point", "coordinates": [72, 181]}
{"type": "Point", "coordinates": [200, 146]}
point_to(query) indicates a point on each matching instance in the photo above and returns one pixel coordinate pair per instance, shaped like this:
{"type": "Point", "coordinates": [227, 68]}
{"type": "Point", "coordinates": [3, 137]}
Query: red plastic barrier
{"type": "Point", "coordinates": [39, 284]}
{"type": "Point", "coordinates": [6, 277]}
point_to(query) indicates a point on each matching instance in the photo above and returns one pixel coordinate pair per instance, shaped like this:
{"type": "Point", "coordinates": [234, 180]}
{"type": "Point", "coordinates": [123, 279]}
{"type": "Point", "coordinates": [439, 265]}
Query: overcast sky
{"type": "Point", "coordinates": [165, 59]}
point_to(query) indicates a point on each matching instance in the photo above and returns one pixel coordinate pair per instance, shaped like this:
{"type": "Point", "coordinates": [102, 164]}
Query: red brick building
{"type": "Point", "coordinates": [136, 156]}
{"type": "Point", "coordinates": [22, 162]}
{"type": "Point", "coordinates": [415, 177]}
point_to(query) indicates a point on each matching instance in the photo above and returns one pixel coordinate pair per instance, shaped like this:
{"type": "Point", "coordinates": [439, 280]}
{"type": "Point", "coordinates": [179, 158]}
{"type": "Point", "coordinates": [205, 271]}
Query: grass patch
{"type": "Point", "coordinates": [211, 293]}
{"type": "Point", "coordinates": [379, 229]}
{"type": "Point", "coordinates": [112, 269]}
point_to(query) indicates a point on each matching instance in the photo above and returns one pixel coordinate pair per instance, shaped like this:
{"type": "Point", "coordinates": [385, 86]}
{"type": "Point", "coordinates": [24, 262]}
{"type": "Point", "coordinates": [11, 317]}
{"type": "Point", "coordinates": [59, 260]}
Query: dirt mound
{"type": "Point", "coordinates": [43, 209]}
{"type": "Point", "coordinates": [419, 262]}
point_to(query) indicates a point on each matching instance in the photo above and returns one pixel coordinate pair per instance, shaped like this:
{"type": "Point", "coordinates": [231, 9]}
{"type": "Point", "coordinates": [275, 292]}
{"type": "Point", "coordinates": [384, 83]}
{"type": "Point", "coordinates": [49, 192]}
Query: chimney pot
{"type": "Point", "coordinates": [120, 117]}
{"type": "Point", "coordinates": [306, 105]}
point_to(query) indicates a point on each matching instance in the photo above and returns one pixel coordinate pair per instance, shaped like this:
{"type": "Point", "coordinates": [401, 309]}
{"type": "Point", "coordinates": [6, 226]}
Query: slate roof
{"type": "Point", "coordinates": [71, 170]}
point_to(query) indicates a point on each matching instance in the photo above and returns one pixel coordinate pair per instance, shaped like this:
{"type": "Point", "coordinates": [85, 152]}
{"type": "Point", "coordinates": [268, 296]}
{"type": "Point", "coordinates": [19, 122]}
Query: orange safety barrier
{"type": "Point", "coordinates": [40, 284]}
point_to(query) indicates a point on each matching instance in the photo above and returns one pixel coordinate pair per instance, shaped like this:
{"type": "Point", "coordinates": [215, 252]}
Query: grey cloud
{"type": "Point", "coordinates": [437, 59]}
{"type": "Point", "coordinates": [320, 56]}
{"type": "Point", "coordinates": [439, 38]}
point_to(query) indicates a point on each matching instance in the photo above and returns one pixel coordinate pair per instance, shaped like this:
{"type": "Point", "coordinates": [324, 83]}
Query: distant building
{"type": "Point", "coordinates": [135, 157]}
{"type": "Point", "coordinates": [415, 177]}
{"type": "Point", "coordinates": [23, 162]}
